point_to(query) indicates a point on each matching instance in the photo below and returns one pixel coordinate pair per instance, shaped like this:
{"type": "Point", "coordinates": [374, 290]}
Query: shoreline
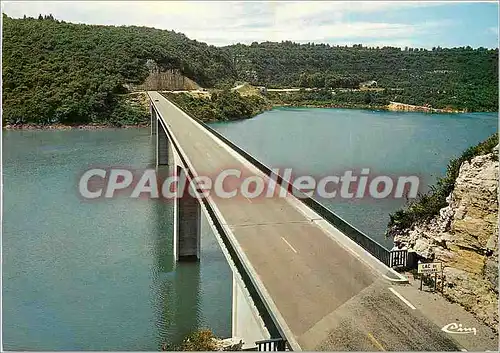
{"type": "Point", "coordinates": [389, 108]}
{"type": "Point", "coordinates": [61, 127]}
{"type": "Point", "coordinates": [403, 107]}
{"type": "Point", "coordinates": [331, 106]}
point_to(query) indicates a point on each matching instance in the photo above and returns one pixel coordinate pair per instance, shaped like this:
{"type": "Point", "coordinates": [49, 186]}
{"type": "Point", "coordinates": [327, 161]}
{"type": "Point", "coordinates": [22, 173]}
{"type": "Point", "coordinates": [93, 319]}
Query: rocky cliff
{"type": "Point", "coordinates": [464, 237]}
{"type": "Point", "coordinates": [160, 79]}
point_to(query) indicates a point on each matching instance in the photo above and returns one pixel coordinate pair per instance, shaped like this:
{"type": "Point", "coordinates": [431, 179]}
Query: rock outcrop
{"type": "Point", "coordinates": [228, 344]}
{"type": "Point", "coordinates": [464, 237]}
{"type": "Point", "coordinates": [160, 79]}
{"type": "Point", "coordinates": [396, 106]}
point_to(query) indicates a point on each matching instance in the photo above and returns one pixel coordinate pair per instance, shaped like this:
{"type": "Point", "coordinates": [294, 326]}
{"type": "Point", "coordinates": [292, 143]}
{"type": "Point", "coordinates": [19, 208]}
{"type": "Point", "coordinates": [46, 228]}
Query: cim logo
{"type": "Point", "coordinates": [457, 328]}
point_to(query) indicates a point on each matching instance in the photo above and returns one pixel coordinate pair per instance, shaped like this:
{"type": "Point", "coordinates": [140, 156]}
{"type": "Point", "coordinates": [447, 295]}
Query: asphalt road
{"type": "Point", "coordinates": [329, 298]}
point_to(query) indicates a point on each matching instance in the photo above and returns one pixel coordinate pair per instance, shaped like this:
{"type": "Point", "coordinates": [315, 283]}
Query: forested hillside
{"type": "Point", "coordinates": [57, 72]}
{"type": "Point", "coordinates": [225, 105]}
{"type": "Point", "coordinates": [71, 73]}
{"type": "Point", "coordinates": [462, 78]}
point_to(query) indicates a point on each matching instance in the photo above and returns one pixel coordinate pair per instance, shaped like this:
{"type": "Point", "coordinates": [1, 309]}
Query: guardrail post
{"type": "Point", "coordinates": [412, 260]}
{"type": "Point", "coordinates": [273, 344]}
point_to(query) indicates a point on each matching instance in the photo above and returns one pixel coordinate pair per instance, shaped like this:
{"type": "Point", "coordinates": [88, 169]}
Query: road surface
{"type": "Point", "coordinates": [329, 298]}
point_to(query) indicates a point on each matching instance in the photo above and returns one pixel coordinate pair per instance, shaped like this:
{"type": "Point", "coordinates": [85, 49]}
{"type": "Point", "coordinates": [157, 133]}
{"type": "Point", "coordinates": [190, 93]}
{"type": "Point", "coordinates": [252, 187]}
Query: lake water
{"type": "Point", "coordinates": [321, 142]}
{"type": "Point", "coordinates": [97, 275]}
{"type": "Point", "coordinates": [100, 275]}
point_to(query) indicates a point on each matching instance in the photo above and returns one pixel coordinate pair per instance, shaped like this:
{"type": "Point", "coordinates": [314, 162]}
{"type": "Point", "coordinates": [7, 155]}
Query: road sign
{"type": "Point", "coordinates": [430, 267]}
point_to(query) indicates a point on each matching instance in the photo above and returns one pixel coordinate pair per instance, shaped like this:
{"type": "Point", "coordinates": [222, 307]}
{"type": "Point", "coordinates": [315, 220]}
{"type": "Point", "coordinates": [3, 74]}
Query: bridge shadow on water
{"type": "Point", "coordinates": [176, 294]}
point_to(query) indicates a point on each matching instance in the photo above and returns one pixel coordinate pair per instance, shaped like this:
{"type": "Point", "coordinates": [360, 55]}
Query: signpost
{"type": "Point", "coordinates": [429, 268]}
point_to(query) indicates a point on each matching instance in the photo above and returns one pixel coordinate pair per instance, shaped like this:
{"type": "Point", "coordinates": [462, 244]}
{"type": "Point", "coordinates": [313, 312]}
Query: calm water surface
{"type": "Point", "coordinates": [100, 275]}
{"type": "Point", "coordinates": [321, 142]}
{"type": "Point", "coordinates": [97, 275]}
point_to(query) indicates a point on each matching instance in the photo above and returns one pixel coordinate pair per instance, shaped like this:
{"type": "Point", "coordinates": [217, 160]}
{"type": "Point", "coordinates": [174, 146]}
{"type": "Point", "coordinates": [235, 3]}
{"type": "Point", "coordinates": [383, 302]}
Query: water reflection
{"type": "Point", "coordinates": [100, 275]}
{"type": "Point", "coordinates": [176, 285]}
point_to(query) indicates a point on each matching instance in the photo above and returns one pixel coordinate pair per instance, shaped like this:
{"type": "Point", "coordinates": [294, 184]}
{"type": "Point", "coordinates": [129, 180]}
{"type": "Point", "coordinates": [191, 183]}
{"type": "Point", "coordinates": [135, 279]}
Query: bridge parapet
{"type": "Point", "coordinates": [275, 344]}
{"type": "Point", "coordinates": [246, 295]}
{"type": "Point", "coordinates": [373, 247]}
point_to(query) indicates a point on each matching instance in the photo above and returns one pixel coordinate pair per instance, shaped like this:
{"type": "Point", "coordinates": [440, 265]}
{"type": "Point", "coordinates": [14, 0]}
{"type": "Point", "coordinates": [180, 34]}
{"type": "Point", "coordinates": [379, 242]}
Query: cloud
{"type": "Point", "coordinates": [332, 33]}
{"type": "Point", "coordinates": [223, 23]}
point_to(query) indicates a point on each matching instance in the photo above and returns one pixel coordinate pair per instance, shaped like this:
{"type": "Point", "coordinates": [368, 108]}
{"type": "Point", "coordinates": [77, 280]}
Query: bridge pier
{"type": "Point", "coordinates": [187, 209]}
{"type": "Point", "coordinates": [246, 323]}
{"type": "Point", "coordinates": [187, 220]}
{"type": "Point", "coordinates": [154, 119]}
{"type": "Point", "coordinates": [162, 146]}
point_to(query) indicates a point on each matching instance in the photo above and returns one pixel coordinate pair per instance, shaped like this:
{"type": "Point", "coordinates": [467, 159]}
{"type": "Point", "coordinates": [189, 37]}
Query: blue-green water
{"type": "Point", "coordinates": [100, 275]}
{"type": "Point", "coordinates": [321, 142]}
{"type": "Point", "coordinates": [97, 275]}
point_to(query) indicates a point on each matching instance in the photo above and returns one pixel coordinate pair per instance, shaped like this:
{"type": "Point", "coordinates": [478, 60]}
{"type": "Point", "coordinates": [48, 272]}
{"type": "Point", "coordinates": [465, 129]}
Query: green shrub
{"type": "Point", "coordinates": [127, 112]}
{"type": "Point", "coordinates": [225, 105]}
{"type": "Point", "coordinates": [201, 340]}
{"type": "Point", "coordinates": [427, 205]}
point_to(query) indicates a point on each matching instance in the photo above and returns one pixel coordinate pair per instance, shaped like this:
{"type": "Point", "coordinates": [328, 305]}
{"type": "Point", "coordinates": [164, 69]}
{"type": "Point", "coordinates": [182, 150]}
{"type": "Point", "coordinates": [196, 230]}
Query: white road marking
{"type": "Point", "coordinates": [287, 243]}
{"type": "Point", "coordinates": [402, 298]}
{"type": "Point", "coordinates": [377, 343]}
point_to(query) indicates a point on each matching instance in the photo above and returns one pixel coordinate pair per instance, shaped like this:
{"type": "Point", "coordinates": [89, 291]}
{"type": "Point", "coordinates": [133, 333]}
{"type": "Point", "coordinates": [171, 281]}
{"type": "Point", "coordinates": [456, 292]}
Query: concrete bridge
{"type": "Point", "coordinates": [301, 275]}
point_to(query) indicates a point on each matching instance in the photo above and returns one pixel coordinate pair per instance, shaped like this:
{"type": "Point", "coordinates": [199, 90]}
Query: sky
{"type": "Point", "coordinates": [371, 23]}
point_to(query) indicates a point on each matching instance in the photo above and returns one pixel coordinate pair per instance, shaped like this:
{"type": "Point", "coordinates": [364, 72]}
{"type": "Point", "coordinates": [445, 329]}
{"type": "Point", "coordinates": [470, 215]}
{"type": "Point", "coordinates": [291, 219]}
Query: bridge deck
{"type": "Point", "coordinates": [328, 297]}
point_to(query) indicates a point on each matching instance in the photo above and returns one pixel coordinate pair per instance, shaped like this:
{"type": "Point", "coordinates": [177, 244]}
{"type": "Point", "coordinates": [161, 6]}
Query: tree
{"type": "Point", "coordinates": [42, 81]}
{"type": "Point", "coordinates": [75, 73]}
